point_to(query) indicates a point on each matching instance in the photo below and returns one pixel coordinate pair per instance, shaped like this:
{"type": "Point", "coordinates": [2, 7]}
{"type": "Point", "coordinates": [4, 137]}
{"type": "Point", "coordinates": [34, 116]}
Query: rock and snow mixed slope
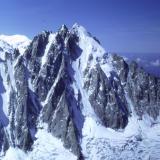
{"type": "Point", "coordinates": [64, 96]}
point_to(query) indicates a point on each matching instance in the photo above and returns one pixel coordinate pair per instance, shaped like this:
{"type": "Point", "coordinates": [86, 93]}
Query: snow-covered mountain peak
{"type": "Point", "coordinates": [63, 27]}
{"type": "Point", "coordinates": [92, 52]}
{"type": "Point", "coordinates": [79, 29]}
{"type": "Point", "coordinates": [88, 40]}
{"type": "Point", "coordinates": [67, 89]}
{"type": "Point", "coordinates": [16, 41]}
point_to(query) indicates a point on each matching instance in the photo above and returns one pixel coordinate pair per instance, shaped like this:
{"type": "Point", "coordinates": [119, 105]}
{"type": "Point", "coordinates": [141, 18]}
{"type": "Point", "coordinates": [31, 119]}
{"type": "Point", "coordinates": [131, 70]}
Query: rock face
{"type": "Point", "coordinates": [142, 87]}
{"type": "Point", "coordinates": [146, 94]}
{"type": "Point", "coordinates": [62, 79]}
{"type": "Point", "coordinates": [107, 98]}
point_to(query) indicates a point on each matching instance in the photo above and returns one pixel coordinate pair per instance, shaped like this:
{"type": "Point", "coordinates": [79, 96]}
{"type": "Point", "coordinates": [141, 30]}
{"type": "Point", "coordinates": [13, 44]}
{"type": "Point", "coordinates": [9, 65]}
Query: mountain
{"type": "Point", "coordinates": [65, 97]}
{"type": "Point", "coordinates": [16, 41]}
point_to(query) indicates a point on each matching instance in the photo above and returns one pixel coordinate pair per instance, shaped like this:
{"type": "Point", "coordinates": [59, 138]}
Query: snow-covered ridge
{"type": "Point", "coordinates": [16, 41]}
{"type": "Point", "coordinates": [91, 48]}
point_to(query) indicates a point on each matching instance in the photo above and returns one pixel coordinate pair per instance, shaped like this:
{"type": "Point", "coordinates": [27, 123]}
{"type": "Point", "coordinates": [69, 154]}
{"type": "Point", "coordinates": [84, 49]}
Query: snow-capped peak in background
{"type": "Point", "coordinates": [16, 41]}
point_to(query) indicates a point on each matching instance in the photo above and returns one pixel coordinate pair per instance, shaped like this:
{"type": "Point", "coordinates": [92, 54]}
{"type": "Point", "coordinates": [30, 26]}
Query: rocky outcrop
{"type": "Point", "coordinates": [107, 98]}
{"type": "Point", "coordinates": [23, 108]}
{"type": "Point", "coordinates": [143, 88]}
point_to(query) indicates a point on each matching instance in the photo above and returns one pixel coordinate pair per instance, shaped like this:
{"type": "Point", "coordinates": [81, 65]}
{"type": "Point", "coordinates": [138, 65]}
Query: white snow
{"type": "Point", "coordinates": [5, 99]}
{"type": "Point", "coordinates": [30, 85]}
{"type": "Point", "coordinates": [14, 154]}
{"type": "Point", "coordinates": [49, 94]}
{"type": "Point", "coordinates": [5, 85]}
{"type": "Point", "coordinates": [90, 46]}
{"type": "Point", "coordinates": [5, 93]}
{"type": "Point", "coordinates": [45, 147]}
{"type": "Point", "coordinates": [78, 85]}
{"type": "Point", "coordinates": [51, 39]}
{"type": "Point", "coordinates": [48, 147]}
{"type": "Point", "coordinates": [16, 41]}
{"type": "Point", "coordinates": [6, 48]}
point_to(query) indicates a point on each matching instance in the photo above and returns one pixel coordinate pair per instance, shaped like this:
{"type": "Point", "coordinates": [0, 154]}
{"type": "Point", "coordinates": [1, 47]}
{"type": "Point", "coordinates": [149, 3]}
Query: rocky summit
{"type": "Point", "coordinates": [62, 96]}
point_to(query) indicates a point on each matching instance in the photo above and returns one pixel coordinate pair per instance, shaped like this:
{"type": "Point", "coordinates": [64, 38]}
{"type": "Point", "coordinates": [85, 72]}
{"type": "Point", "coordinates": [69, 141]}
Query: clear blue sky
{"type": "Point", "coordinates": [120, 25]}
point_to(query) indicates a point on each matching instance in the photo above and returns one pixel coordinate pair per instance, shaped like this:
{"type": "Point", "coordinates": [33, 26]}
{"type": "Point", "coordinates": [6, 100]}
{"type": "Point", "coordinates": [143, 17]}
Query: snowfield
{"type": "Point", "coordinates": [45, 147]}
{"type": "Point", "coordinates": [138, 141]}
{"type": "Point", "coordinates": [48, 147]}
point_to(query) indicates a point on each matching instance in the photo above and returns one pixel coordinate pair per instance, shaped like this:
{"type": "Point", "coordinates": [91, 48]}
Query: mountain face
{"type": "Point", "coordinates": [65, 97]}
